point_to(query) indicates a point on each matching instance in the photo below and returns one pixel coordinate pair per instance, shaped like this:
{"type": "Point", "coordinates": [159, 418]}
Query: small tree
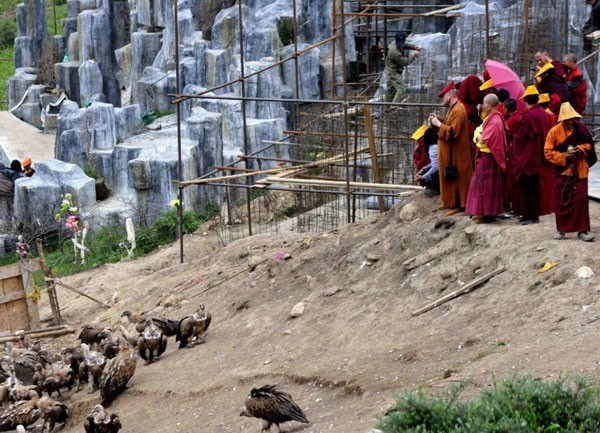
{"type": "Point", "coordinates": [69, 215]}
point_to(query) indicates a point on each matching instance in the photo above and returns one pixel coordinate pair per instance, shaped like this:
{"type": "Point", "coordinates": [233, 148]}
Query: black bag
{"type": "Point", "coordinates": [450, 172]}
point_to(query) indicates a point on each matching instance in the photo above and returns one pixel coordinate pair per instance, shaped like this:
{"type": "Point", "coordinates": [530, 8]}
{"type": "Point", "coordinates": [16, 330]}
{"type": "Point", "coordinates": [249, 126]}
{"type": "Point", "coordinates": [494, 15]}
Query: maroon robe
{"type": "Point", "coordinates": [485, 190]}
{"type": "Point", "coordinates": [510, 188]}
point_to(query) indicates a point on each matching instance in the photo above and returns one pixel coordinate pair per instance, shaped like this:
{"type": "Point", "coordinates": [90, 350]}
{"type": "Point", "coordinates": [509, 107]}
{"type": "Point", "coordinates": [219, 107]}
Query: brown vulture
{"type": "Point", "coordinates": [273, 406]}
{"type": "Point", "coordinates": [23, 412]}
{"type": "Point", "coordinates": [151, 343]}
{"type": "Point", "coordinates": [92, 335]}
{"type": "Point", "coordinates": [92, 366]}
{"type": "Point", "coordinates": [99, 422]}
{"type": "Point", "coordinates": [193, 327]}
{"type": "Point", "coordinates": [116, 374]}
{"type": "Point", "coordinates": [53, 412]}
{"type": "Point", "coordinates": [167, 326]}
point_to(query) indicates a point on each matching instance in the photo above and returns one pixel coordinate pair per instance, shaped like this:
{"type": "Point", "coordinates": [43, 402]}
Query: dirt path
{"type": "Point", "coordinates": [19, 140]}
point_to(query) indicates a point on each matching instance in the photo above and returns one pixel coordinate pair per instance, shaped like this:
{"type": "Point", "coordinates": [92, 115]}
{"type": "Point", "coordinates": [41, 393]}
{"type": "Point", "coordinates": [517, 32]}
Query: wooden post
{"type": "Point", "coordinates": [27, 269]}
{"type": "Point", "coordinates": [373, 152]}
{"type": "Point", "coordinates": [464, 289]}
{"type": "Point", "coordinates": [50, 286]}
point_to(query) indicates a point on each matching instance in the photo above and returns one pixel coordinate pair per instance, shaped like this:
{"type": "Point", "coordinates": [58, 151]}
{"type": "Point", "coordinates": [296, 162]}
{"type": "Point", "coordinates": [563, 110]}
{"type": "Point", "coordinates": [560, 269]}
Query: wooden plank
{"type": "Point", "coordinates": [27, 269]}
{"type": "Point", "coordinates": [464, 289]}
{"type": "Point", "coordinates": [18, 317]}
{"type": "Point", "coordinates": [45, 333]}
{"type": "Point", "coordinates": [10, 271]}
{"type": "Point", "coordinates": [373, 152]}
{"type": "Point", "coordinates": [10, 297]}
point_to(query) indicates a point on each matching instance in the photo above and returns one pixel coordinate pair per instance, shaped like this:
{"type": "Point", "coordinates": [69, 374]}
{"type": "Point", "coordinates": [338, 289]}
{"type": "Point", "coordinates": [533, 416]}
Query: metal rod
{"type": "Point", "coordinates": [345, 107]}
{"type": "Point", "coordinates": [179, 158]}
{"type": "Point", "coordinates": [296, 67]}
{"type": "Point", "coordinates": [487, 29]}
{"type": "Point", "coordinates": [244, 114]}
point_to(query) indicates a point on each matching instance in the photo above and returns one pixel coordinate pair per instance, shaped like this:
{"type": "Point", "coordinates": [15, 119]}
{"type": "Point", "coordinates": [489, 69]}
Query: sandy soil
{"type": "Point", "coordinates": [356, 342]}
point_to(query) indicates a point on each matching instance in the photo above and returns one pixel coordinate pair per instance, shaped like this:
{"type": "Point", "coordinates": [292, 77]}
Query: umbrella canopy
{"type": "Point", "coordinates": [505, 78]}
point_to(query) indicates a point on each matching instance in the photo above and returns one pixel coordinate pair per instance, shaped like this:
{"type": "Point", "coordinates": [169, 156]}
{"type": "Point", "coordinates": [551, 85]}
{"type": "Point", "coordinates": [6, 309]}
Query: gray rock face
{"type": "Point", "coordinates": [225, 31]}
{"type": "Point", "coordinates": [19, 83]}
{"type": "Point", "coordinates": [30, 109]}
{"type": "Point", "coordinates": [92, 28]}
{"type": "Point", "coordinates": [90, 81]}
{"type": "Point", "coordinates": [24, 52]}
{"type": "Point", "coordinates": [144, 49]}
{"type": "Point", "coordinates": [67, 78]}
{"type": "Point", "coordinates": [38, 198]}
{"type": "Point", "coordinates": [154, 88]}
{"type": "Point", "coordinates": [308, 72]}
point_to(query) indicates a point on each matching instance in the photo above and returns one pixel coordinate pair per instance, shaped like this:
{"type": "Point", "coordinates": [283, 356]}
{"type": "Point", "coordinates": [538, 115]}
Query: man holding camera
{"type": "Point", "coordinates": [454, 152]}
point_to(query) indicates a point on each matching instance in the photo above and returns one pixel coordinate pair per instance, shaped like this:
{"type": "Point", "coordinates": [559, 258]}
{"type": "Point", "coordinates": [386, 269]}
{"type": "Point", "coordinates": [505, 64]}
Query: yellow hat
{"type": "Point", "coordinates": [545, 68]}
{"type": "Point", "coordinates": [419, 133]}
{"type": "Point", "coordinates": [567, 112]}
{"type": "Point", "coordinates": [487, 85]}
{"type": "Point", "coordinates": [544, 97]}
{"type": "Point", "coordinates": [530, 90]}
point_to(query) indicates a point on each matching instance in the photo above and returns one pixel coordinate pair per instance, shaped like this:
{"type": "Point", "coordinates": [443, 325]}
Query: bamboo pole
{"type": "Point", "coordinates": [79, 292]}
{"type": "Point", "coordinates": [339, 183]}
{"type": "Point", "coordinates": [464, 289]}
{"type": "Point", "coordinates": [373, 151]}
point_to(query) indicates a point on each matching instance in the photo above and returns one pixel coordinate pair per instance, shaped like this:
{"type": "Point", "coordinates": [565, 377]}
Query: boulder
{"type": "Point", "coordinates": [144, 48]}
{"type": "Point", "coordinates": [308, 72]}
{"type": "Point", "coordinates": [38, 198]}
{"type": "Point", "coordinates": [67, 78]}
{"type": "Point", "coordinates": [19, 83]}
{"type": "Point", "coordinates": [90, 81]}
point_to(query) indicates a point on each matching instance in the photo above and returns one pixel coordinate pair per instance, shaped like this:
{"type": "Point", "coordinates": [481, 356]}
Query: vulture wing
{"type": "Point", "coordinates": [115, 376]}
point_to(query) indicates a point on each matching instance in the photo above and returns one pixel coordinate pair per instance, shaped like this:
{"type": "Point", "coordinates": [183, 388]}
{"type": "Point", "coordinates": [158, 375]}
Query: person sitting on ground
{"type": "Point", "coordinates": [28, 170]}
{"type": "Point", "coordinates": [8, 176]}
{"type": "Point", "coordinates": [567, 147]}
{"type": "Point", "coordinates": [428, 176]}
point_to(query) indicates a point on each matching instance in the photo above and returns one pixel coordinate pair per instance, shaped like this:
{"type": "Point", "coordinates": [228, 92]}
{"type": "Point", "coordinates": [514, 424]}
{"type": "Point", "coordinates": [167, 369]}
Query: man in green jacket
{"type": "Point", "coordinates": [397, 59]}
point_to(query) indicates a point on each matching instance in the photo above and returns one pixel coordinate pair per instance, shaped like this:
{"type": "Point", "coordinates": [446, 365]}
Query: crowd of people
{"type": "Point", "coordinates": [494, 156]}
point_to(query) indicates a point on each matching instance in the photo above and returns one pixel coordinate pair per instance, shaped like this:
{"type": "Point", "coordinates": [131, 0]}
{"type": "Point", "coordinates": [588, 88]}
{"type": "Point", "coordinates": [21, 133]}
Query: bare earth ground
{"type": "Point", "coordinates": [357, 341]}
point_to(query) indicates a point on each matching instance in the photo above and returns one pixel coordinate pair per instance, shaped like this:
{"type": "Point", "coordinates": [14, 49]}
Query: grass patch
{"type": "Point", "coordinates": [517, 405]}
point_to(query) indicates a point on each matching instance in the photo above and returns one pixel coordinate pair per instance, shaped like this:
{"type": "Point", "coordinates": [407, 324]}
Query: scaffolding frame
{"type": "Point", "coordinates": [345, 124]}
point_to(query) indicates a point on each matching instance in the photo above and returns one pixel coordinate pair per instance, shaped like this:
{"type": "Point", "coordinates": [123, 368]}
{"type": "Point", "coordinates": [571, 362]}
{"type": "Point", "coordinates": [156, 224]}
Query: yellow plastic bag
{"type": "Point", "coordinates": [547, 267]}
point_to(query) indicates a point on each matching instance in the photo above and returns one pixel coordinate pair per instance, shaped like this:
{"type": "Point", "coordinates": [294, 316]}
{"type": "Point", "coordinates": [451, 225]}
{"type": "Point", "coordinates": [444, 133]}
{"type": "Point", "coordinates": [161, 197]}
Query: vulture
{"type": "Point", "coordinates": [110, 346]}
{"type": "Point", "coordinates": [273, 406]}
{"type": "Point", "coordinates": [98, 422]}
{"type": "Point", "coordinates": [116, 374]}
{"type": "Point", "coordinates": [193, 327]}
{"type": "Point", "coordinates": [52, 412]}
{"type": "Point", "coordinates": [23, 360]}
{"type": "Point", "coordinates": [23, 412]}
{"type": "Point", "coordinates": [92, 366]}
{"type": "Point", "coordinates": [151, 343]}
{"type": "Point", "coordinates": [92, 335]}
{"type": "Point", "coordinates": [167, 326]}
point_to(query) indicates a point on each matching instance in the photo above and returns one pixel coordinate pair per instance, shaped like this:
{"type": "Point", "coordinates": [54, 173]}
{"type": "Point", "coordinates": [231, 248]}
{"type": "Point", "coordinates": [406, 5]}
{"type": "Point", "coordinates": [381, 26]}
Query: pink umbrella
{"type": "Point", "coordinates": [505, 78]}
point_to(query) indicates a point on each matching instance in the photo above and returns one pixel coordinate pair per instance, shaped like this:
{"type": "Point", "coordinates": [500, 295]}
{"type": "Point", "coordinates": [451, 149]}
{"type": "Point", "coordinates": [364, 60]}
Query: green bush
{"type": "Point", "coordinates": [8, 33]}
{"type": "Point", "coordinates": [517, 405]}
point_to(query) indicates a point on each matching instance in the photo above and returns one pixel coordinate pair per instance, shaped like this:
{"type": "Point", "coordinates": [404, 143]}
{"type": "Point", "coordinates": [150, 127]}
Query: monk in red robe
{"type": "Point", "coordinates": [567, 146]}
{"type": "Point", "coordinates": [527, 156]}
{"type": "Point", "coordinates": [512, 117]}
{"type": "Point", "coordinates": [453, 150]}
{"type": "Point", "coordinates": [485, 191]}
{"type": "Point", "coordinates": [575, 82]}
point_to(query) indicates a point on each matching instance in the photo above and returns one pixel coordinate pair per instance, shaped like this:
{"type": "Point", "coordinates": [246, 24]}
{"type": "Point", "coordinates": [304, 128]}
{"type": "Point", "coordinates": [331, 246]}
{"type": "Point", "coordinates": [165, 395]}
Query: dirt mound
{"type": "Point", "coordinates": [356, 341]}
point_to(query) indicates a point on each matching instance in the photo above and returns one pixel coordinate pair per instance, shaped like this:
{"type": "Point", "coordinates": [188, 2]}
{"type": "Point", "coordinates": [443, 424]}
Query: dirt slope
{"type": "Point", "coordinates": [357, 341]}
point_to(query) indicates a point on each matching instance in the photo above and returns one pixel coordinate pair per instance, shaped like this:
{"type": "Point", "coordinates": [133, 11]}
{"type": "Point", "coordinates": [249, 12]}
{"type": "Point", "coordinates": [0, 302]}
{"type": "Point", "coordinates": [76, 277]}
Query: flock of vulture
{"type": "Point", "coordinates": [105, 362]}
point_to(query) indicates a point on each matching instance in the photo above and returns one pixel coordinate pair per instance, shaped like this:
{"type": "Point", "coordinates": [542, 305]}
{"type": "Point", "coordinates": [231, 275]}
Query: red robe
{"type": "Point", "coordinates": [527, 164]}
{"type": "Point", "coordinates": [512, 124]}
{"type": "Point", "coordinates": [578, 91]}
{"type": "Point", "coordinates": [485, 190]}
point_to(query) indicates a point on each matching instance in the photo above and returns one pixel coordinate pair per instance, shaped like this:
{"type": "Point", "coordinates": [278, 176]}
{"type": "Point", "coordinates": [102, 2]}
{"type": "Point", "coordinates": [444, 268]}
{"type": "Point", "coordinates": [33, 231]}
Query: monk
{"type": "Point", "coordinates": [512, 117]}
{"type": "Point", "coordinates": [575, 82]}
{"type": "Point", "coordinates": [551, 82]}
{"type": "Point", "coordinates": [527, 156]}
{"type": "Point", "coordinates": [485, 200]}
{"type": "Point", "coordinates": [453, 149]}
{"type": "Point", "coordinates": [567, 147]}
